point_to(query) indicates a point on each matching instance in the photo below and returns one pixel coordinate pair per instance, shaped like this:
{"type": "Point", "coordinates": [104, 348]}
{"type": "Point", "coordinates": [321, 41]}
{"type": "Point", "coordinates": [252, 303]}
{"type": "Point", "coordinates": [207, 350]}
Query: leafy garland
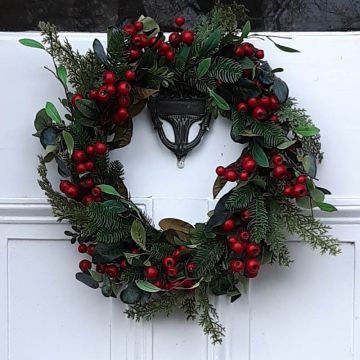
{"type": "Point", "coordinates": [157, 271]}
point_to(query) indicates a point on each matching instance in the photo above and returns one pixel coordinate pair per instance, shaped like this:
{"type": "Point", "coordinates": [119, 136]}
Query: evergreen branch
{"type": "Point", "coordinates": [238, 125]}
{"type": "Point", "coordinates": [272, 133]}
{"type": "Point", "coordinates": [189, 307]}
{"type": "Point", "coordinates": [241, 197]}
{"type": "Point", "coordinates": [159, 250]}
{"type": "Point", "coordinates": [225, 69]}
{"type": "Point", "coordinates": [259, 220]}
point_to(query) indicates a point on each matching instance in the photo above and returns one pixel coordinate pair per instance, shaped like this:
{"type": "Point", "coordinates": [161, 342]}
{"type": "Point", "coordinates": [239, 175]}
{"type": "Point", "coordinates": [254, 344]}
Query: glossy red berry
{"type": "Point", "coordinates": [90, 150]}
{"type": "Point", "coordinates": [100, 268]}
{"type": "Point", "coordinates": [72, 191]}
{"type": "Point", "coordinates": [287, 190]}
{"type": "Point", "coordinates": [246, 215]}
{"type": "Point", "coordinates": [121, 116]}
{"type": "Point", "coordinates": [274, 118]}
{"type": "Point", "coordinates": [277, 159]}
{"type": "Point", "coordinates": [245, 158]}
{"type": "Point", "coordinates": [237, 247]}
{"type": "Point", "coordinates": [244, 175]}
{"type": "Point", "coordinates": [124, 101]}
{"type": "Point", "coordinates": [252, 102]}
{"type": "Point", "coordinates": [90, 166]}
{"type": "Point", "coordinates": [220, 170]}
{"type": "Point", "coordinates": [259, 54]}
{"type": "Point", "coordinates": [249, 49]}
{"type": "Point", "coordinates": [241, 107]}
{"type": "Point", "coordinates": [91, 249]}
{"type": "Point", "coordinates": [253, 250]}
{"type": "Point", "coordinates": [138, 25]}
{"type": "Point", "coordinates": [249, 165]}
{"type": "Point", "coordinates": [190, 266]}
{"type": "Point", "coordinates": [124, 88]}
{"type": "Point", "coordinates": [79, 155]}
{"type": "Point", "coordinates": [111, 89]}
{"type": "Point", "coordinates": [151, 272]}
{"type": "Point", "coordinates": [109, 77]}
{"type": "Point", "coordinates": [64, 185]}
{"type": "Point", "coordinates": [96, 191]}
{"type": "Point", "coordinates": [252, 265]}
{"type": "Point", "coordinates": [93, 93]}
{"type": "Point", "coordinates": [171, 271]}
{"type": "Point", "coordinates": [230, 175]}
{"type": "Point", "coordinates": [88, 199]}
{"type": "Point", "coordinates": [175, 39]}
{"type": "Point", "coordinates": [236, 265]}
{"type": "Point", "coordinates": [80, 168]}
{"type": "Point", "coordinates": [100, 148]}
{"type": "Point", "coordinates": [264, 101]}
{"type": "Point", "coordinates": [187, 37]}
{"type": "Point", "coordinates": [165, 47]}
{"type": "Point", "coordinates": [169, 261]}
{"type": "Point", "coordinates": [112, 271]}
{"type": "Point", "coordinates": [274, 103]}
{"type": "Point", "coordinates": [228, 225]}
{"type": "Point", "coordinates": [144, 40]}
{"type": "Point", "coordinates": [130, 75]}
{"type": "Point", "coordinates": [130, 29]}
{"type": "Point", "coordinates": [123, 264]}
{"type": "Point", "coordinates": [82, 248]}
{"type": "Point", "coordinates": [259, 113]}
{"type": "Point", "coordinates": [232, 240]}
{"type": "Point", "coordinates": [280, 172]}
{"type": "Point", "coordinates": [239, 52]}
{"type": "Point", "coordinates": [135, 54]}
{"type": "Point", "coordinates": [251, 274]}
{"type": "Point", "coordinates": [299, 190]}
{"type": "Point", "coordinates": [180, 21]}
{"type": "Point", "coordinates": [87, 183]}
{"type": "Point", "coordinates": [152, 41]}
{"type": "Point", "coordinates": [170, 55]}
{"type": "Point", "coordinates": [244, 235]}
{"type": "Point", "coordinates": [75, 98]}
{"type": "Point", "coordinates": [301, 179]}
{"type": "Point", "coordinates": [85, 265]}
{"type": "Point", "coordinates": [103, 95]}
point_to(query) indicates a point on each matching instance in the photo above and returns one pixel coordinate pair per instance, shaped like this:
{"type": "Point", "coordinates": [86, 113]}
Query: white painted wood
{"type": "Point", "coordinates": [310, 311]}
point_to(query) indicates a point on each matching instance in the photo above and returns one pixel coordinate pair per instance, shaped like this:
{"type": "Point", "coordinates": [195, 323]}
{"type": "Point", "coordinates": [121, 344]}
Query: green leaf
{"type": "Point", "coordinates": [260, 156]}
{"type": "Point", "coordinates": [280, 89]}
{"type": "Point", "coordinates": [131, 295]}
{"type": "Point", "coordinates": [309, 164]}
{"type": "Point", "coordinates": [147, 286]}
{"type": "Point", "coordinates": [115, 206]}
{"type": "Point", "coordinates": [210, 44]}
{"type": "Point", "coordinates": [62, 74]}
{"type": "Point", "coordinates": [219, 101]}
{"type": "Point", "coordinates": [182, 56]}
{"type": "Point", "coordinates": [286, 144]}
{"type": "Point", "coordinates": [52, 112]}
{"type": "Point", "coordinates": [307, 131]}
{"type": "Point", "coordinates": [246, 63]}
{"type": "Point", "coordinates": [42, 121]}
{"type": "Point", "coordinates": [108, 189]}
{"type": "Point", "coordinates": [285, 48]}
{"type": "Point", "coordinates": [305, 202]}
{"type": "Point", "coordinates": [138, 233]}
{"type": "Point", "coordinates": [246, 30]}
{"type": "Point", "coordinates": [87, 280]}
{"type": "Point", "coordinates": [317, 195]}
{"type": "Point", "coordinates": [96, 276]}
{"type": "Point", "coordinates": [99, 51]}
{"type": "Point", "coordinates": [88, 108]}
{"type": "Point", "coordinates": [150, 25]}
{"type": "Point", "coordinates": [325, 207]}
{"type": "Point", "coordinates": [32, 43]}
{"type": "Point", "coordinates": [69, 141]}
{"type": "Point", "coordinates": [203, 68]}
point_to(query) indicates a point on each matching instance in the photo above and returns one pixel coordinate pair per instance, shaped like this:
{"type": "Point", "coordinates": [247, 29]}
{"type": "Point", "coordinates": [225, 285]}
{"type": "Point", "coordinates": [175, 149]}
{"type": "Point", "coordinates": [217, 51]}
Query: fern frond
{"type": "Point", "coordinates": [207, 256]}
{"type": "Point", "coordinates": [259, 221]}
{"type": "Point", "coordinates": [225, 69]}
{"type": "Point", "coordinates": [272, 134]}
{"type": "Point", "coordinates": [241, 197]}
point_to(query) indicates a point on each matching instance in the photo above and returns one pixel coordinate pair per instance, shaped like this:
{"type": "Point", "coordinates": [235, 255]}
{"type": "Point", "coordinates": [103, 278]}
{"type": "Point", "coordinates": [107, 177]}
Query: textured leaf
{"type": "Point", "coordinates": [115, 206]}
{"type": "Point", "coordinates": [88, 108]}
{"type": "Point", "coordinates": [272, 134]}
{"type": "Point", "coordinates": [175, 224]}
{"type": "Point", "coordinates": [131, 295]}
{"type": "Point", "coordinates": [219, 101]}
{"type": "Point", "coordinates": [307, 131]}
{"type": "Point", "coordinates": [108, 189]}
{"type": "Point", "coordinates": [87, 280]}
{"type": "Point", "coordinates": [52, 112]}
{"type": "Point", "coordinates": [226, 70]}
{"type": "Point", "coordinates": [260, 156]}
{"type": "Point", "coordinates": [203, 67]}
{"type": "Point", "coordinates": [147, 286]}
{"type": "Point", "coordinates": [69, 141]}
{"type": "Point", "coordinates": [280, 89]}
{"type": "Point", "coordinates": [32, 43]}
{"type": "Point", "coordinates": [259, 219]}
{"type": "Point", "coordinates": [138, 233]}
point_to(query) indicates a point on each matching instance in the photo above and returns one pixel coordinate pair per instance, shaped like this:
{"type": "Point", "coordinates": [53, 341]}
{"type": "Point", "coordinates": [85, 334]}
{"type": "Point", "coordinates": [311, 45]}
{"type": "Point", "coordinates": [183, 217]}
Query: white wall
{"type": "Point", "coordinates": [310, 311]}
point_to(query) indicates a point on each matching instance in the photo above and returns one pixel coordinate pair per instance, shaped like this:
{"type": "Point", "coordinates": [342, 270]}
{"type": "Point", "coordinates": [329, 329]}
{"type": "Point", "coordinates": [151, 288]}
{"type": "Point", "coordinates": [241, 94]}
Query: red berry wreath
{"type": "Point", "coordinates": [178, 266]}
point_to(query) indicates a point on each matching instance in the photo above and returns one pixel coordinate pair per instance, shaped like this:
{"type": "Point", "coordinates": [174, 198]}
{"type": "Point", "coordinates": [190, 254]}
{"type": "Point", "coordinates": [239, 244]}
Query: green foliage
{"type": "Point", "coordinates": [238, 125]}
{"type": "Point", "coordinates": [159, 250]}
{"type": "Point", "coordinates": [259, 221]}
{"type": "Point", "coordinates": [225, 69]}
{"type": "Point", "coordinates": [272, 134]}
{"type": "Point", "coordinates": [241, 197]}
{"type": "Point", "coordinates": [118, 50]}
{"type": "Point", "coordinates": [80, 135]}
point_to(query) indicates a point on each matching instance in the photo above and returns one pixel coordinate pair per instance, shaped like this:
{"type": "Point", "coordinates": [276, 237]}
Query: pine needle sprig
{"type": "Point", "coordinates": [259, 221]}
{"type": "Point", "coordinates": [241, 197]}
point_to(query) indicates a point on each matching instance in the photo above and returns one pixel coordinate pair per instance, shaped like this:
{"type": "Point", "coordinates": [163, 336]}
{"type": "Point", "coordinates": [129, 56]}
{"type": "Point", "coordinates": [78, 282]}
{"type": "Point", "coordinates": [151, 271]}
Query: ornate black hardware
{"type": "Point", "coordinates": [181, 113]}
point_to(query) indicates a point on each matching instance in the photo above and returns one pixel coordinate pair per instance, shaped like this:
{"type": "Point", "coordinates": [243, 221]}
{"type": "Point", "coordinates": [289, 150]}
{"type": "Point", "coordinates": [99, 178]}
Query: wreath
{"type": "Point", "coordinates": [179, 265]}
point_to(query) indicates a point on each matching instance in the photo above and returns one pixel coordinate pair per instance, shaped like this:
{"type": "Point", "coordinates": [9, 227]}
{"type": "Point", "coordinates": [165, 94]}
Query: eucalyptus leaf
{"type": "Point", "coordinates": [317, 195]}
{"type": "Point", "coordinates": [87, 280]}
{"type": "Point", "coordinates": [304, 202]}
{"type": "Point", "coordinates": [49, 137]}
{"type": "Point", "coordinates": [96, 276]}
{"type": "Point", "coordinates": [280, 89]}
{"type": "Point", "coordinates": [42, 120]}
{"type": "Point", "coordinates": [138, 233]}
{"type": "Point", "coordinates": [147, 286]}
{"type": "Point", "coordinates": [309, 164]}
{"type": "Point", "coordinates": [32, 43]}
{"type": "Point", "coordinates": [131, 295]}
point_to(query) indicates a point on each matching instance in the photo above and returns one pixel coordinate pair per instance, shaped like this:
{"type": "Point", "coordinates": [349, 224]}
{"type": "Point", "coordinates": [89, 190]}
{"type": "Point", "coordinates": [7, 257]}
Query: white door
{"type": "Point", "coordinates": [310, 311]}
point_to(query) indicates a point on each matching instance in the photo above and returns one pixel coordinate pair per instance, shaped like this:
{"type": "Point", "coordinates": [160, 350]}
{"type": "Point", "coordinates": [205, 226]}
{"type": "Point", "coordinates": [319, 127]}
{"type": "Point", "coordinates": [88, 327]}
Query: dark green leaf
{"type": "Point", "coordinates": [62, 74]}
{"type": "Point", "coordinates": [325, 207]}
{"type": "Point", "coordinates": [108, 189]}
{"type": "Point", "coordinates": [285, 48]}
{"type": "Point", "coordinates": [96, 276]}
{"type": "Point", "coordinates": [32, 43]}
{"type": "Point", "coordinates": [246, 63]}
{"type": "Point", "coordinates": [219, 101]}
{"type": "Point", "coordinates": [246, 30]}
{"type": "Point", "coordinates": [131, 295]}
{"type": "Point", "coordinates": [260, 156]}
{"type": "Point", "coordinates": [99, 51]}
{"type": "Point", "coordinates": [182, 56]}
{"type": "Point", "coordinates": [280, 89]}
{"type": "Point", "coordinates": [115, 206]}
{"type": "Point", "coordinates": [87, 280]}
{"type": "Point", "coordinates": [69, 141]}
{"type": "Point", "coordinates": [88, 109]}
{"type": "Point", "coordinates": [49, 137]}
{"type": "Point", "coordinates": [203, 67]}
{"type": "Point", "coordinates": [42, 121]}
{"type": "Point", "coordinates": [52, 112]}
{"type": "Point", "coordinates": [138, 233]}
{"type": "Point", "coordinates": [210, 44]}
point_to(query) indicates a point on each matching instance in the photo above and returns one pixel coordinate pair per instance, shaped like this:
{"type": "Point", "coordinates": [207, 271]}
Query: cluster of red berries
{"type": "Point", "coordinates": [84, 162]}
{"type": "Point", "coordinates": [245, 252]}
{"type": "Point", "coordinates": [280, 172]}
{"type": "Point", "coordinates": [261, 107]}
{"type": "Point", "coordinates": [248, 166]}
{"type": "Point", "coordinates": [247, 49]}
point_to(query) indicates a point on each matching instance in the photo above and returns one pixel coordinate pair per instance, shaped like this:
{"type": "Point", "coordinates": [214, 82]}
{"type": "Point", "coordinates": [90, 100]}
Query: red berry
{"type": "Point", "coordinates": [165, 47]}
{"type": "Point", "coordinates": [244, 175]}
{"type": "Point", "coordinates": [111, 89]}
{"type": "Point", "coordinates": [274, 118]}
{"type": "Point", "coordinates": [280, 172]}
{"type": "Point", "coordinates": [187, 37]}
{"type": "Point", "coordinates": [252, 102]}
{"type": "Point", "coordinates": [175, 39]}
{"type": "Point", "coordinates": [259, 54]}
{"type": "Point", "coordinates": [274, 103]}
{"type": "Point", "coordinates": [79, 155]}
{"type": "Point", "coordinates": [299, 190]}
{"type": "Point", "coordinates": [87, 183]}
{"type": "Point", "coordinates": [259, 113]}
{"type": "Point", "coordinates": [151, 272]}
{"type": "Point", "coordinates": [249, 165]}
{"type": "Point", "coordinates": [251, 274]}
{"type": "Point", "coordinates": [230, 175]}
{"type": "Point", "coordinates": [264, 101]}
{"type": "Point", "coordinates": [144, 40]}
{"type": "Point", "coordinates": [64, 185]}
{"type": "Point", "coordinates": [244, 235]}
{"type": "Point", "coordinates": [112, 271]}
{"type": "Point", "coordinates": [93, 93]}
{"type": "Point", "coordinates": [187, 283]}
{"type": "Point", "coordinates": [179, 21]}
{"type": "Point", "coordinates": [72, 191]}
{"type": "Point", "coordinates": [123, 264]}
{"type": "Point", "coordinates": [90, 150]}
{"type": "Point", "coordinates": [109, 77]}
{"type": "Point", "coordinates": [82, 248]}
{"type": "Point", "coordinates": [252, 265]}
{"type": "Point", "coordinates": [190, 266]}
{"type": "Point", "coordinates": [170, 56]}
{"type": "Point", "coordinates": [138, 25]}
{"type": "Point", "coordinates": [100, 148]}
{"type": "Point", "coordinates": [130, 29]}
{"type": "Point", "coordinates": [177, 254]}
{"type": "Point", "coordinates": [228, 225]}
{"type": "Point", "coordinates": [85, 265]}
{"type": "Point", "coordinates": [253, 250]}
{"type": "Point", "coordinates": [158, 284]}
{"type": "Point", "coordinates": [103, 95]}
{"type": "Point", "coordinates": [96, 191]}
{"type": "Point", "coordinates": [152, 41]}
{"type": "Point", "coordinates": [90, 166]}
{"type": "Point", "coordinates": [246, 215]}
{"type": "Point", "coordinates": [236, 265]}
{"type": "Point", "coordinates": [277, 159]}
{"type": "Point", "coordinates": [287, 191]}
{"type": "Point", "coordinates": [124, 101]}
{"type": "Point", "coordinates": [121, 115]}
{"type": "Point", "coordinates": [88, 199]}
{"type": "Point", "coordinates": [241, 107]}
{"type": "Point", "coordinates": [135, 54]}
{"type": "Point", "coordinates": [91, 249]}
{"type": "Point", "coordinates": [232, 240]}
{"type": "Point", "coordinates": [249, 49]}
{"type": "Point", "coordinates": [220, 171]}
{"type": "Point", "coordinates": [239, 52]}
{"type": "Point", "coordinates": [171, 271]}
{"type": "Point", "coordinates": [124, 88]}
{"type": "Point", "coordinates": [301, 179]}
{"type": "Point", "coordinates": [75, 98]}
{"type": "Point", "coordinates": [130, 75]}
{"type": "Point", "coordinates": [100, 268]}
{"type": "Point", "coordinates": [169, 261]}
{"type": "Point", "coordinates": [245, 158]}
{"type": "Point", "coordinates": [237, 247]}
{"type": "Point", "coordinates": [80, 168]}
